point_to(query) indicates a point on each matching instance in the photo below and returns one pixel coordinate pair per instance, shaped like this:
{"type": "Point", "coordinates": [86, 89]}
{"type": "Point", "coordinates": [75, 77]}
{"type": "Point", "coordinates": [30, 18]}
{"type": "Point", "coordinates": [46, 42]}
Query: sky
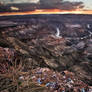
{"type": "Point", "coordinates": [87, 3]}
{"type": "Point", "coordinates": [68, 4]}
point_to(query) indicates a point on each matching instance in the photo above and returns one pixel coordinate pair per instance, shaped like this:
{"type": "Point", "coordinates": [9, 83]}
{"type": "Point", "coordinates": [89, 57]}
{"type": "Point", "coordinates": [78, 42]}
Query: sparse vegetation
{"type": "Point", "coordinates": [13, 72]}
{"type": "Point", "coordinates": [19, 81]}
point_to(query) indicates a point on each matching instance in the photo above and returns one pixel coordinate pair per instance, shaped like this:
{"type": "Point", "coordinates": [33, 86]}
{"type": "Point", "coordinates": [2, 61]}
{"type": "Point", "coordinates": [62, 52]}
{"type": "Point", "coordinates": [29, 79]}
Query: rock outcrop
{"type": "Point", "coordinates": [38, 45]}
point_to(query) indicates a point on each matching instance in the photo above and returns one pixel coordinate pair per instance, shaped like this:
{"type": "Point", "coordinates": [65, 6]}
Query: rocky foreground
{"type": "Point", "coordinates": [56, 55]}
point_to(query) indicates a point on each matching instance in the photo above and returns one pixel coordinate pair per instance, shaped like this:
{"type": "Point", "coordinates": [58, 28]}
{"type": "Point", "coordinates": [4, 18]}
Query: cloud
{"type": "Point", "coordinates": [14, 8]}
{"type": "Point", "coordinates": [50, 1]}
{"type": "Point", "coordinates": [71, 5]}
{"type": "Point", "coordinates": [19, 1]}
{"type": "Point", "coordinates": [41, 4]}
{"type": "Point", "coordinates": [60, 4]}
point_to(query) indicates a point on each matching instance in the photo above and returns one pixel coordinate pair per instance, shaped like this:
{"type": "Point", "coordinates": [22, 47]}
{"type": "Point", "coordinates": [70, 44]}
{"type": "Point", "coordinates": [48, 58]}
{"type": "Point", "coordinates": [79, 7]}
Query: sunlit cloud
{"type": "Point", "coordinates": [41, 5]}
{"type": "Point", "coordinates": [46, 11]}
{"type": "Point", "coordinates": [14, 8]}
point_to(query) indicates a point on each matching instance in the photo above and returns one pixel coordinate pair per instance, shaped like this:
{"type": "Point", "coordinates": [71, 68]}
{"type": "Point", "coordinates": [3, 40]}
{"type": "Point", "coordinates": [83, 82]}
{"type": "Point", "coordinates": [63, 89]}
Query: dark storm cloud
{"type": "Point", "coordinates": [71, 5]}
{"type": "Point", "coordinates": [42, 4]}
{"type": "Point", "coordinates": [60, 4]}
{"type": "Point", "coordinates": [50, 1]}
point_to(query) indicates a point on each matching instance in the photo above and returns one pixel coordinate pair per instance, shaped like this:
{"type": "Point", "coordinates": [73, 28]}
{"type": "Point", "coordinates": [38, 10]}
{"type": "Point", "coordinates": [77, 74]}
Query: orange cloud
{"type": "Point", "coordinates": [48, 11]}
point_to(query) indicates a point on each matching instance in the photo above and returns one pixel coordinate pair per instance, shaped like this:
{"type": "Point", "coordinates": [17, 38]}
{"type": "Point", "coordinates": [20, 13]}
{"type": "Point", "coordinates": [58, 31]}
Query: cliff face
{"type": "Point", "coordinates": [50, 42]}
